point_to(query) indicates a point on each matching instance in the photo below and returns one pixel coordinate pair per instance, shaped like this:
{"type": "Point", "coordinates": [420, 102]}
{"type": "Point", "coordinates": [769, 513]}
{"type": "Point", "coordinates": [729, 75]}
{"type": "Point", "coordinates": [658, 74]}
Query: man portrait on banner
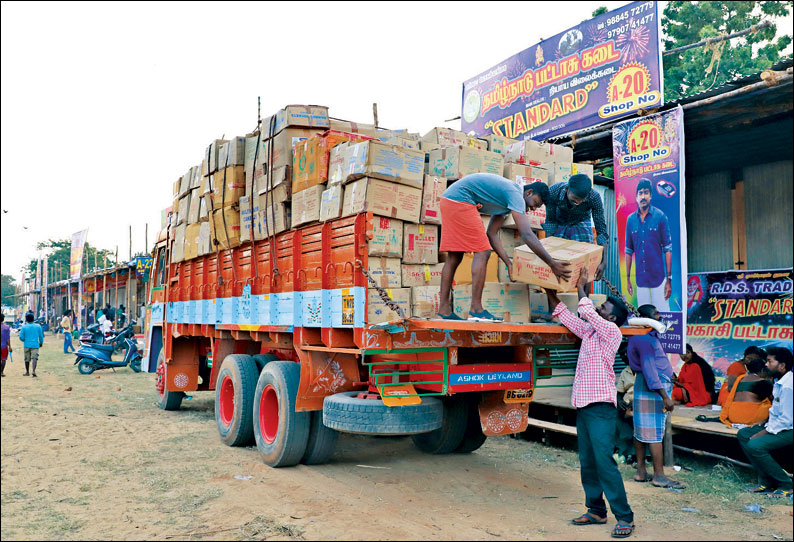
{"type": "Point", "coordinates": [648, 242]}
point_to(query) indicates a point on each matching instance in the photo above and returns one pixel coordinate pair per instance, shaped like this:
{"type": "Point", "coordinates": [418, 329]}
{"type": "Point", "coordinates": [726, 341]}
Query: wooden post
{"type": "Point", "coordinates": [739, 226]}
{"type": "Point", "coordinates": [375, 114]}
{"type": "Point", "coordinates": [146, 240]}
{"type": "Point", "coordinates": [116, 277]}
{"type": "Point", "coordinates": [667, 442]}
{"type": "Point", "coordinates": [105, 281]}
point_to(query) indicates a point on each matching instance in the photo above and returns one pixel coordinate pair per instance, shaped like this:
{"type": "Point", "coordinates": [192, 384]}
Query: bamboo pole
{"type": "Point", "coordinates": [116, 281]}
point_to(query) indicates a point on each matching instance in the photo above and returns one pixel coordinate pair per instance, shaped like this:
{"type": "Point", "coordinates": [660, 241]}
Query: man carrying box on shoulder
{"type": "Point", "coordinates": [462, 230]}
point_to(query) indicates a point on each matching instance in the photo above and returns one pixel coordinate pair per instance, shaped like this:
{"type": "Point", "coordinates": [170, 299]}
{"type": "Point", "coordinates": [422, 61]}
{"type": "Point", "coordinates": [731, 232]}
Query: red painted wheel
{"type": "Point", "coordinates": [268, 414]}
{"type": "Point", "coordinates": [234, 398]}
{"type": "Point", "coordinates": [166, 400]}
{"type": "Point", "coordinates": [226, 402]}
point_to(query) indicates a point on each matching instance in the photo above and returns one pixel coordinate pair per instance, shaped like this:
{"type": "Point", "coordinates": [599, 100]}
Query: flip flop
{"type": "Point", "coordinates": [620, 529]}
{"type": "Point", "coordinates": [675, 484]}
{"type": "Point", "coordinates": [647, 478]}
{"type": "Point", "coordinates": [450, 316]}
{"type": "Point", "coordinates": [780, 493]}
{"type": "Point", "coordinates": [483, 316]}
{"type": "Point", "coordinates": [589, 519]}
{"type": "Point", "coordinates": [759, 489]}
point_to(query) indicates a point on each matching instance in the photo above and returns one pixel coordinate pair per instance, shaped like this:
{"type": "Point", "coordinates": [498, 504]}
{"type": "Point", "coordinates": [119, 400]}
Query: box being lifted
{"type": "Point", "coordinates": [529, 268]}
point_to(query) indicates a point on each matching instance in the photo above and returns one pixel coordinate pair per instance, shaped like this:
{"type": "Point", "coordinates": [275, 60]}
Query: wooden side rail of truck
{"type": "Point", "coordinates": [278, 328]}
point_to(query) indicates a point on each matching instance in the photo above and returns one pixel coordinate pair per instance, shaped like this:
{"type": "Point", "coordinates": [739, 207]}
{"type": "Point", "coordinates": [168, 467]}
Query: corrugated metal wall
{"type": "Point", "coordinates": [612, 272]}
{"type": "Point", "coordinates": [709, 223]}
{"type": "Point", "coordinates": [768, 209]}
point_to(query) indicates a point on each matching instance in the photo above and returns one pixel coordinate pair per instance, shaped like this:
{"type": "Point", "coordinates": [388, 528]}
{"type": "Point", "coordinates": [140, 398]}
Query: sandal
{"type": "Point", "coordinates": [675, 484]}
{"type": "Point", "coordinates": [483, 316]}
{"type": "Point", "coordinates": [623, 529]}
{"type": "Point", "coordinates": [588, 519]}
{"type": "Point", "coordinates": [450, 316]}
{"type": "Point", "coordinates": [647, 478]}
{"type": "Point", "coordinates": [759, 489]}
{"type": "Point", "coordinates": [702, 418]}
{"type": "Point", "coordinates": [778, 493]}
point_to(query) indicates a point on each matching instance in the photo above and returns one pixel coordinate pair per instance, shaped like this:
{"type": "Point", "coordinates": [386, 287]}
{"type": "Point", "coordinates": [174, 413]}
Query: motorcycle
{"type": "Point", "coordinates": [92, 334]}
{"type": "Point", "coordinates": [93, 356]}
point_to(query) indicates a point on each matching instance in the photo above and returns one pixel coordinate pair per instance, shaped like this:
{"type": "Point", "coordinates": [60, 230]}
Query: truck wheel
{"type": "Point", "coordinates": [345, 412]}
{"type": "Point", "coordinates": [322, 441]}
{"type": "Point", "coordinates": [281, 433]}
{"type": "Point", "coordinates": [448, 437]}
{"type": "Point", "coordinates": [234, 399]}
{"type": "Point", "coordinates": [166, 400]}
{"type": "Point", "coordinates": [473, 438]}
{"type": "Point", "coordinates": [263, 359]}
{"type": "Point", "coordinates": [85, 367]}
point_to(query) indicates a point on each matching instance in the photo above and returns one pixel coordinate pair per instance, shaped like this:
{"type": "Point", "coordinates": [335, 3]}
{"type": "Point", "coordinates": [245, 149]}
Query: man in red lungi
{"type": "Point", "coordinates": [462, 230]}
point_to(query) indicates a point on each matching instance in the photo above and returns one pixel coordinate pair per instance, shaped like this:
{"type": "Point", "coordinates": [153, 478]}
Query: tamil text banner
{"type": "Point", "coordinates": [601, 70]}
{"type": "Point", "coordinates": [76, 259]}
{"type": "Point", "coordinates": [648, 159]}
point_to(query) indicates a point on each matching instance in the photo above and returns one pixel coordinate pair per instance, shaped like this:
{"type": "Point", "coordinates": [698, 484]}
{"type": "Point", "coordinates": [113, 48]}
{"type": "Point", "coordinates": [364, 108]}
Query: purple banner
{"type": "Point", "coordinates": [602, 70]}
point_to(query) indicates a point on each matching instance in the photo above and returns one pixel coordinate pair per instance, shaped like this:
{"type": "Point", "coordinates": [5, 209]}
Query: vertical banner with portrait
{"type": "Point", "coordinates": [648, 155]}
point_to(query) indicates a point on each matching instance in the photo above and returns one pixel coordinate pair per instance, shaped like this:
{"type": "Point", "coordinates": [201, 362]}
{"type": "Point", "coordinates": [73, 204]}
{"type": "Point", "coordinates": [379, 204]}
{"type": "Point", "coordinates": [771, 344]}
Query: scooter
{"type": "Point", "coordinates": [92, 357]}
{"type": "Point", "coordinates": [92, 334]}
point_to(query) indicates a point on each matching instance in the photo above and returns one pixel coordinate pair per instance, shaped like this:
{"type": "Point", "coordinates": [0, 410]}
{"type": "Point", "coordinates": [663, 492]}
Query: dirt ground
{"type": "Point", "coordinates": [103, 462]}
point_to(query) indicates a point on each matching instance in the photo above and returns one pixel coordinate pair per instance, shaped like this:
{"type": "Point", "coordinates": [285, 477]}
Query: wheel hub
{"type": "Point", "coordinates": [227, 400]}
{"type": "Point", "coordinates": [268, 414]}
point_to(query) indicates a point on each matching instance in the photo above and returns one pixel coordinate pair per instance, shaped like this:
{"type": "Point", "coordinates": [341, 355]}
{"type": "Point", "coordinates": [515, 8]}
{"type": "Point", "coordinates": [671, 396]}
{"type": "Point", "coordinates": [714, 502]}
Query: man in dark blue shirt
{"type": "Point", "coordinates": [648, 242]}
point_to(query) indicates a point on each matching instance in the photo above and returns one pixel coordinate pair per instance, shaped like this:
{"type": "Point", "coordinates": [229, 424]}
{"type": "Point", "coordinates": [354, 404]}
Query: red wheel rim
{"type": "Point", "coordinates": [268, 414]}
{"type": "Point", "coordinates": [160, 382]}
{"type": "Point", "coordinates": [227, 400]}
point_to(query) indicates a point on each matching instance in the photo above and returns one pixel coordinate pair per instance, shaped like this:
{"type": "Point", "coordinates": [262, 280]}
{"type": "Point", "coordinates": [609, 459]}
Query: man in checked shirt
{"type": "Point", "coordinates": [594, 396]}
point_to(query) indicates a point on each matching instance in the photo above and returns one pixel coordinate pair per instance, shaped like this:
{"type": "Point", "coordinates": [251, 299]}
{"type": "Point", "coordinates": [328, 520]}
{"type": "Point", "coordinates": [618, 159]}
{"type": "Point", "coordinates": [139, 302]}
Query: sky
{"type": "Point", "coordinates": [105, 105]}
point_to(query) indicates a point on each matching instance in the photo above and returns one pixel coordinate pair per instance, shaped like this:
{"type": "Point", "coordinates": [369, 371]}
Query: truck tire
{"type": "Point", "coordinates": [473, 438]}
{"type": "Point", "coordinates": [347, 413]}
{"type": "Point", "coordinates": [166, 400]}
{"type": "Point", "coordinates": [85, 367]}
{"type": "Point", "coordinates": [448, 437]}
{"type": "Point", "coordinates": [281, 433]}
{"type": "Point", "coordinates": [263, 359]}
{"type": "Point", "coordinates": [234, 399]}
{"type": "Point", "coordinates": [322, 441]}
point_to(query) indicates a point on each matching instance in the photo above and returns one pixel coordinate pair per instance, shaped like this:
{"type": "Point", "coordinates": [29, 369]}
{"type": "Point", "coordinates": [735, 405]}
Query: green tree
{"type": "Point", "coordinates": [702, 68]}
{"type": "Point", "coordinates": [599, 11]}
{"type": "Point", "coordinates": [60, 251]}
{"type": "Point", "coordinates": [8, 291]}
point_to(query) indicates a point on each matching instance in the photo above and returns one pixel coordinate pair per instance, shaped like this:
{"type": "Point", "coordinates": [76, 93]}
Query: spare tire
{"type": "Point", "coordinates": [347, 413]}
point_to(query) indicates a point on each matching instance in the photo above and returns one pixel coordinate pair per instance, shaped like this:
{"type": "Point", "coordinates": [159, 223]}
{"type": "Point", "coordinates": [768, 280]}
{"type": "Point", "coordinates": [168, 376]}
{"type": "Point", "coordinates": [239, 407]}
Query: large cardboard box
{"type": "Point", "coordinates": [525, 174]}
{"type": "Point", "coordinates": [203, 211]}
{"type": "Point", "coordinates": [571, 300]}
{"type": "Point", "coordinates": [457, 162]}
{"type": "Point", "coordinates": [193, 206]}
{"type": "Point", "coordinates": [248, 207]}
{"type": "Point", "coordinates": [534, 153]}
{"type": "Point", "coordinates": [378, 160]}
{"type": "Point", "coordinates": [279, 182]}
{"type": "Point", "coordinates": [229, 186]}
{"type": "Point", "coordinates": [421, 274]}
{"type": "Point", "coordinates": [251, 143]}
{"type": "Point", "coordinates": [336, 164]}
{"type": "Point", "coordinates": [378, 312]}
{"type": "Point", "coordinates": [509, 301]}
{"type": "Point", "coordinates": [204, 239]}
{"type": "Point", "coordinates": [427, 146]}
{"type": "Point", "coordinates": [446, 137]}
{"type": "Point", "coordinates": [331, 204]}
{"type": "Point", "coordinates": [306, 205]}
{"type": "Point", "coordinates": [382, 198]}
{"type": "Point", "coordinates": [387, 238]}
{"type": "Point", "coordinates": [311, 157]}
{"type": "Point", "coordinates": [183, 209]}
{"type": "Point", "coordinates": [431, 199]}
{"type": "Point", "coordinates": [562, 171]}
{"type": "Point", "coordinates": [529, 268]}
{"type": "Point", "coordinates": [510, 238]}
{"type": "Point", "coordinates": [232, 153]}
{"type": "Point", "coordinates": [354, 127]}
{"type": "Point", "coordinates": [386, 272]}
{"type": "Point", "coordinates": [281, 153]}
{"type": "Point", "coordinates": [400, 141]}
{"type": "Point", "coordinates": [497, 143]}
{"type": "Point", "coordinates": [270, 219]}
{"type": "Point", "coordinates": [463, 272]}
{"type": "Point", "coordinates": [177, 187]}
{"type": "Point", "coordinates": [192, 241]}
{"type": "Point", "coordinates": [420, 244]}
{"type": "Point", "coordinates": [211, 154]}
{"type": "Point", "coordinates": [178, 250]}
{"type": "Point", "coordinates": [226, 227]}
{"type": "Point", "coordinates": [425, 301]}
{"type": "Point", "coordinates": [307, 116]}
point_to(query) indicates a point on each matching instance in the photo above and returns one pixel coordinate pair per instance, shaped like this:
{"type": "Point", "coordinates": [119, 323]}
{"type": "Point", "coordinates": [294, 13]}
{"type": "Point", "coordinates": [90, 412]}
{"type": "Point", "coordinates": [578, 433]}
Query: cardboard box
{"type": "Point", "coordinates": [497, 143]}
{"type": "Point", "coordinates": [183, 208]}
{"type": "Point", "coordinates": [509, 301]}
{"type": "Point", "coordinates": [336, 164]}
{"type": "Point", "coordinates": [531, 269]}
{"type": "Point", "coordinates": [386, 272]}
{"type": "Point", "coordinates": [192, 241]}
{"type": "Point", "coordinates": [178, 250]}
{"type": "Point", "coordinates": [399, 141]}
{"type": "Point", "coordinates": [270, 219]}
{"type": "Point", "coordinates": [204, 239]}
{"type": "Point", "coordinates": [425, 301]}
{"type": "Point", "coordinates": [279, 182]}
{"type": "Point", "coordinates": [446, 137]}
{"type": "Point", "coordinates": [457, 162]}
{"type": "Point", "coordinates": [381, 161]}
{"type": "Point", "coordinates": [510, 238]}
{"type": "Point", "coordinates": [211, 154]}
{"type": "Point", "coordinates": [538, 305]}
{"type": "Point", "coordinates": [431, 199]}
{"type": "Point", "coordinates": [203, 211]}
{"type": "Point", "coordinates": [282, 193]}
{"type": "Point", "coordinates": [306, 205]}
{"type": "Point", "coordinates": [420, 244]}
{"type": "Point", "coordinates": [226, 227]}
{"type": "Point", "coordinates": [421, 274]}
{"type": "Point", "coordinates": [427, 146]}
{"type": "Point", "coordinates": [525, 174]}
{"type": "Point", "coordinates": [177, 188]}
{"type": "Point", "coordinates": [251, 142]}
{"type": "Point", "coordinates": [562, 171]}
{"type": "Point", "coordinates": [193, 206]}
{"type": "Point", "coordinates": [311, 158]}
{"type": "Point", "coordinates": [387, 238]}
{"type": "Point", "coordinates": [331, 203]}
{"type": "Point", "coordinates": [232, 153]}
{"type": "Point", "coordinates": [354, 127]}
{"type": "Point", "coordinates": [463, 272]}
{"type": "Point", "coordinates": [534, 153]}
{"type": "Point", "coordinates": [307, 116]}
{"type": "Point", "coordinates": [571, 300]}
{"type": "Point", "coordinates": [378, 312]}
{"type": "Point", "coordinates": [229, 186]}
{"type": "Point", "coordinates": [382, 198]}
{"type": "Point", "coordinates": [248, 206]}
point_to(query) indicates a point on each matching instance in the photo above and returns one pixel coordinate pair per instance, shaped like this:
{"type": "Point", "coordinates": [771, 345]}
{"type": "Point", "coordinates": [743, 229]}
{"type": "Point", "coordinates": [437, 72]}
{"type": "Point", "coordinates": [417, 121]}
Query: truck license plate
{"type": "Point", "coordinates": [518, 396]}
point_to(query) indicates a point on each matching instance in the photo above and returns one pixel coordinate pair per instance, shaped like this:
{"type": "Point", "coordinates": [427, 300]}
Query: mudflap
{"type": "Point", "coordinates": [324, 374]}
{"type": "Point", "coordinates": [500, 418]}
{"type": "Point", "coordinates": [182, 369]}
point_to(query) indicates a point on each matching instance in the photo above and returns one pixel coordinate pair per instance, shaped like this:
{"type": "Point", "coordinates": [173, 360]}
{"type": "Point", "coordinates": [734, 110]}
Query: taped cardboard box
{"type": "Point", "coordinates": [457, 162]}
{"type": "Point", "coordinates": [178, 250]}
{"type": "Point", "coordinates": [336, 164]}
{"type": "Point", "coordinates": [229, 186]}
{"type": "Point", "coordinates": [378, 160]}
{"type": "Point", "coordinates": [529, 268]}
{"type": "Point", "coordinates": [508, 301]}
{"type": "Point", "coordinates": [193, 206]}
{"type": "Point", "coordinates": [280, 154]}
{"type": "Point", "coordinates": [211, 154]}
{"type": "Point", "coordinates": [434, 188]}
{"type": "Point", "coordinates": [354, 127]}
{"type": "Point", "coordinates": [183, 208]}
{"type": "Point", "coordinates": [378, 312]}
{"type": "Point", "coordinates": [425, 301]}
{"type": "Point", "coordinates": [307, 116]}
{"type": "Point", "coordinates": [331, 203]}
{"type": "Point", "coordinates": [188, 176]}
{"type": "Point", "coordinates": [232, 153]}
{"type": "Point", "coordinates": [534, 153]}
{"type": "Point", "coordinates": [571, 300]}
{"type": "Point", "coordinates": [306, 205]}
{"type": "Point", "coordinates": [562, 171]}
{"type": "Point", "coordinates": [421, 274]}
{"type": "Point", "coordinates": [248, 207]}
{"type": "Point", "coordinates": [251, 142]}
{"type": "Point", "coordinates": [403, 133]}
{"type": "Point", "coordinates": [446, 137]}
{"type": "Point", "coordinates": [196, 176]}
{"type": "Point", "coordinates": [204, 240]}
{"type": "Point", "coordinates": [226, 227]}
{"type": "Point", "coordinates": [311, 157]}
{"type": "Point", "coordinates": [279, 181]}
{"type": "Point", "coordinates": [387, 237]}
{"type": "Point", "coordinates": [382, 198]}
{"type": "Point", "coordinates": [270, 219]}
{"type": "Point", "coordinates": [497, 143]}
{"type": "Point", "coordinates": [177, 187]}
{"type": "Point", "coordinates": [537, 217]}
{"type": "Point", "coordinates": [399, 141]}
{"type": "Point", "coordinates": [510, 238]}
{"type": "Point", "coordinates": [386, 272]}
{"type": "Point", "coordinates": [524, 174]}
{"type": "Point", "coordinates": [538, 305]}
{"type": "Point", "coordinates": [203, 211]}
{"type": "Point", "coordinates": [184, 185]}
{"type": "Point", "coordinates": [192, 241]}
{"type": "Point", "coordinates": [463, 272]}
{"type": "Point", "coordinates": [427, 146]}
{"type": "Point", "coordinates": [420, 244]}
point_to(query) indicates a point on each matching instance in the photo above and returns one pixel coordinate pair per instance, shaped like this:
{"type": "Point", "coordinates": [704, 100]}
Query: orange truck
{"type": "Point", "coordinates": [278, 329]}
